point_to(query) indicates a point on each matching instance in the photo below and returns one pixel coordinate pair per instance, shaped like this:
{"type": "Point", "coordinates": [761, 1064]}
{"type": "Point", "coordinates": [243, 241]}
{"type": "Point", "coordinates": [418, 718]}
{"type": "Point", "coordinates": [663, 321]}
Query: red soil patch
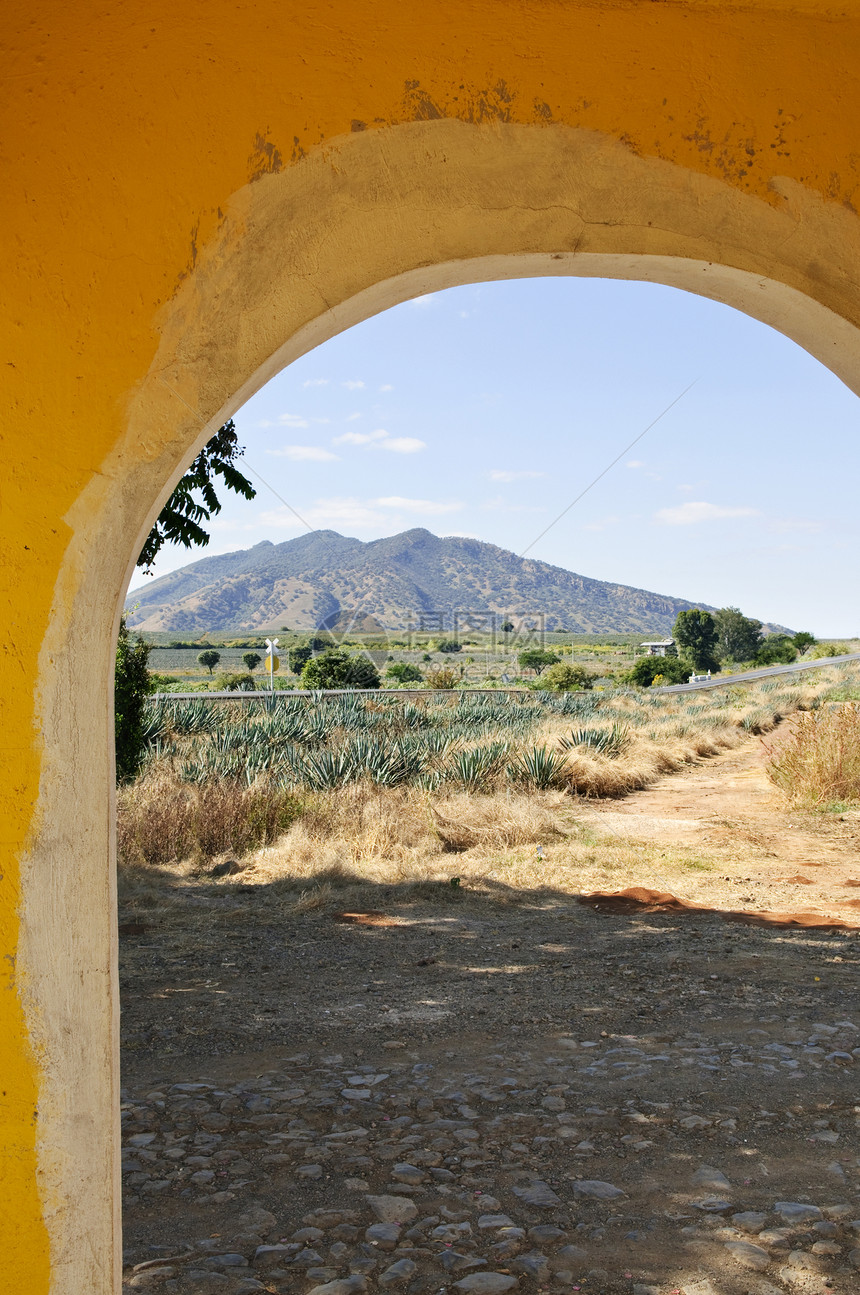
{"type": "Point", "coordinates": [639, 899]}
{"type": "Point", "coordinates": [371, 918]}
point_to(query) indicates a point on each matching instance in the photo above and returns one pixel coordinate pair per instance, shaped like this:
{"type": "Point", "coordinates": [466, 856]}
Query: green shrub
{"type": "Point", "coordinates": [237, 682]}
{"type": "Point", "coordinates": [647, 668]}
{"type": "Point", "coordinates": [777, 649]}
{"type": "Point", "coordinates": [562, 677]}
{"type": "Point", "coordinates": [131, 687]}
{"type": "Point", "coordinates": [444, 678]}
{"type": "Point", "coordinates": [336, 668]}
{"type": "Point", "coordinates": [404, 673]}
{"type": "Point", "coordinates": [449, 645]}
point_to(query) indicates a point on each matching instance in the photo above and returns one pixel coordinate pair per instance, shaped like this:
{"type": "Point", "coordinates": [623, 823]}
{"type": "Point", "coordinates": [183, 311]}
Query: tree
{"type": "Point", "coordinates": [335, 668]}
{"type": "Point", "coordinates": [647, 668]}
{"type": "Point", "coordinates": [536, 659]}
{"type": "Point", "coordinates": [404, 673]}
{"type": "Point", "coordinates": [449, 645]}
{"type": "Point", "coordinates": [298, 658]}
{"type": "Point", "coordinates": [563, 677]}
{"type": "Point", "coordinates": [252, 660]}
{"type": "Point", "coordinates": [179, 521]}
{"type": "Point", "coordinates": [508, 627]}
{"type": "Point", "coordinates": [131, 686]}
{"type": "Point", "coordinates": [777, 649]}
{"type": "Point", "coordinates": [209, 658]}
{"type": "Point", "coordinates": [738, 637]}
{"type": "Point", "coordinates": [803, 640]}
{"type": "Point", "coordinates": [696, 634]}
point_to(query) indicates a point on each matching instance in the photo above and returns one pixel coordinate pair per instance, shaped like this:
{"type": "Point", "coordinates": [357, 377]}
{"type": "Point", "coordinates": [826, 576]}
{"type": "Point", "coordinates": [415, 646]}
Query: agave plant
{"type": "Point", "coordinates": [603, 741]}
{"type": "Point", "coordinates": [475, 769]}
{"type": "Point", "coordinates": [539, 766]}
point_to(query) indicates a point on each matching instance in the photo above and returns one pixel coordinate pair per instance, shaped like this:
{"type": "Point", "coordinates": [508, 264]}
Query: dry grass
{"type": "Point", "coordinates": [820, 761]}
{"type": "Point", "coordinates": [311, 847]}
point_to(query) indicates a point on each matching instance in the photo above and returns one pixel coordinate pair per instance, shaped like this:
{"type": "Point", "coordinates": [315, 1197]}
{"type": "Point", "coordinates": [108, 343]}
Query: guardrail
{"type": "Point", "coordinates": [750, 676]}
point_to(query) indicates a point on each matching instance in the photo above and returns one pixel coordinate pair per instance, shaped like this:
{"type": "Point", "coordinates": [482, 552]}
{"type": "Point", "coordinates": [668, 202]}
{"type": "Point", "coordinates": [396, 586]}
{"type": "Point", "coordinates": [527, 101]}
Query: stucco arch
{"type": "Point", "coordinates": [371, 220]}
{"type": "Point", "coordinates": [193, 200]}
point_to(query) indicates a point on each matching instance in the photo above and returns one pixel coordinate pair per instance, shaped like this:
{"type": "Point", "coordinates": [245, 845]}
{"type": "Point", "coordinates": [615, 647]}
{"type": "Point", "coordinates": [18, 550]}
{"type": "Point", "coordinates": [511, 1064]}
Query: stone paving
{"type": "Point", "coordinates": [478, 1097]}
{"type": "Point", "coordinates": [418, 1174]}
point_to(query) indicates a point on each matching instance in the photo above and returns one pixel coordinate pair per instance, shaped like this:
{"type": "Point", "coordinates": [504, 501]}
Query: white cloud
{"type": "Point", "coordinates": [426, 507]}
{"type": "Point", "coordinates": [304, 454]}
{"type": "Point", "coordinates": [380, 440]}
{"type": "Point", "coordinates": [353, 384]}
{"type": "Point", "coordinates": [634, 463]}
{"type": "Point", "coordinates": [691, 513]}
{"type": "Point", "coordinates": [498, 474]}
{"type": "Point", "coordinates": [316, 382]}
{"type": "Point", "coordinates": [386, 386]}
{"type": "Point", "coordinates": [401, 444]}
{"type": "Point", "coordinates": [426, 299]}
{"type": "Point", "coordinates": [359, 438]}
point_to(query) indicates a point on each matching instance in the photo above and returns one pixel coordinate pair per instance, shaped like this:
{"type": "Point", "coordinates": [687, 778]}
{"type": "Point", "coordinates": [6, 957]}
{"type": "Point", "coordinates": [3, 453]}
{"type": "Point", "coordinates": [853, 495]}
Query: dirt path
{"type": "Point", "coordinates": [475, 1097]}
{"type": "Point", "coordinates": [728, 809]}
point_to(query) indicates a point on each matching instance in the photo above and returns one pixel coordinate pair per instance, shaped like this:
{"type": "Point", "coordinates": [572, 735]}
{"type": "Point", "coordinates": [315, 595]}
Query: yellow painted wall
{"type": "Point", "coordinates": [139, 144]}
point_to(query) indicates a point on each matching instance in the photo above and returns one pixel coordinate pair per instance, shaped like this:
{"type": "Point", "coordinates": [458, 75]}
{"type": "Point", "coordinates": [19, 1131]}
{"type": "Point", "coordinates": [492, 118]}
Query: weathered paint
{"type": "Point", "coordinates": [194, 196]}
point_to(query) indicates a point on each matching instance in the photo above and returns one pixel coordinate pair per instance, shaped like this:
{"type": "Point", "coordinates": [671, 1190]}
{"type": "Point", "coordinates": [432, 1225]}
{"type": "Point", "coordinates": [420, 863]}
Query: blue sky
{"type": "Point", "coordinates": [484, 410]}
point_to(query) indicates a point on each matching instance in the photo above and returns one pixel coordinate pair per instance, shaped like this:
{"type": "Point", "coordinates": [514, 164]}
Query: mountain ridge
{"type": "Point", "coordinates": [325, 579]}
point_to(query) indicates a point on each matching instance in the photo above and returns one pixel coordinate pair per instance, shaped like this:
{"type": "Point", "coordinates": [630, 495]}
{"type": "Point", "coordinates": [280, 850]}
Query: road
{"type": "Point", "coordinates": [748, 676]}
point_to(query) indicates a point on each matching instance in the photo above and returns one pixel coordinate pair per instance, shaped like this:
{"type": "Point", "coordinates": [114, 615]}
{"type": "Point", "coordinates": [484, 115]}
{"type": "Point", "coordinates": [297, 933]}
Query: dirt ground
{"type": "Point", "coordinates": [465, 1091]}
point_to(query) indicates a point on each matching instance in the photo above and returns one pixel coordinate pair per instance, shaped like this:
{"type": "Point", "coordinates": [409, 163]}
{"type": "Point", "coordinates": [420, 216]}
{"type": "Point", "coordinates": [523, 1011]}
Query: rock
{"type": "Point", "coordinates": [384, 1235]}
{"type": "Point", "coordinates": [826, 1248]}
{"type": "Point", "coordinates": [309, 1171]}
{"type": "Point", "coordinates": [798, 1212]}
{"type": "Point", "coordinates": [454, 1262]}
{"type": "Point", "coordinates": [409, 1174]}
{"type": "Point", "coordinates": [308, 1234]}
{"type": "Point", "coordinates": [854, 1258]}
{"type": "Point", "coordinates": [399, 1272]}
{"type": "Point", "coordinates": [393, 1209]}
{"type": "Point", "coordinates": [534, 1264]}
{"type": "Point", "coordinates": [749, 1221]}
{"type": "Point", "coordinates": [554, 1104]}
{"type": "Point", "coordinates": [571, 1255]}
{"type": "Point", "coordinates": [226, 1261]}
{"type": "Point", "coordinates": [706, 1176]}
{"type": "Point", "coordinates": [486, 1283]}
{"type": "Point", "coordinates": [247, 1286]}
{"type": "Point", "coordinates": [713, 1205]}
{"type": "Point", "coordinates": [150, 1279]}
{"type": "Point", "coordinates": [546, 1233]}
{"type": "Point", "coordinates": [494, 1221]}
{"type": "Point", "coordinates": [271, 1256]}
{"type": "Point", "coordinates": [597, 1190]}
{"type": "Point", "coordinates": [744, 1252]}
{"type": "Point", "coordinates": [539, 1194]}
{"type": "Point", "coordinates": [807, 1262]}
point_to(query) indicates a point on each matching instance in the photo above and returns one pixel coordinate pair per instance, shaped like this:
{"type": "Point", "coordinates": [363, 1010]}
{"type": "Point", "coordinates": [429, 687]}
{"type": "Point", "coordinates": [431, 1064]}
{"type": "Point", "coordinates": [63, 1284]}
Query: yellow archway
{"type": "Point", "coordinates": [181, 234]}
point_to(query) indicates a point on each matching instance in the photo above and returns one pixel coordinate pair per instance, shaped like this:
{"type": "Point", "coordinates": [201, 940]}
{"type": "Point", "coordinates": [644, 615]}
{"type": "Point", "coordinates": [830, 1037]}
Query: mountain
{"type": "Point", "coordinates": [326, 580]}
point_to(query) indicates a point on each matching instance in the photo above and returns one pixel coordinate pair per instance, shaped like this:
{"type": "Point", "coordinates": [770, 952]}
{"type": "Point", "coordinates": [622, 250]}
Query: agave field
{"type": "Point", "coordinates": [223, 776]}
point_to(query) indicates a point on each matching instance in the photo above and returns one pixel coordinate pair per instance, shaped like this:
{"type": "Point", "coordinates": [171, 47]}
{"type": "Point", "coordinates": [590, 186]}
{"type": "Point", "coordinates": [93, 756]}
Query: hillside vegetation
{"type": "Point", "coordinates": [329, 580]}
